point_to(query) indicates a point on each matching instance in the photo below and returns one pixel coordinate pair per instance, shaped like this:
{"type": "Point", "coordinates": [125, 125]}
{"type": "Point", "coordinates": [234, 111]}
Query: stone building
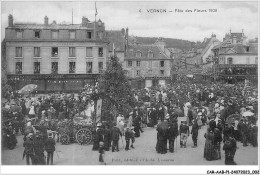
{"type": "Point", "coordinates": [148, 65]}
{"type": "Point", "coordinates": [56, 57]}
{"type": "Point", "coordinates": [236, 59]}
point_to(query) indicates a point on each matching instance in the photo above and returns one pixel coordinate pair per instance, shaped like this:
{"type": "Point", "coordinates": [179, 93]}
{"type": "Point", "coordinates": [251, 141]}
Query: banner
{"type": "Point", "coordinates": [99, 105]}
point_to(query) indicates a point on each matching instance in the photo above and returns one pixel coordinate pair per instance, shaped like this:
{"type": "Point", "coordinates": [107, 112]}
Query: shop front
{"type": "Point", "coordinates": [53, 83]}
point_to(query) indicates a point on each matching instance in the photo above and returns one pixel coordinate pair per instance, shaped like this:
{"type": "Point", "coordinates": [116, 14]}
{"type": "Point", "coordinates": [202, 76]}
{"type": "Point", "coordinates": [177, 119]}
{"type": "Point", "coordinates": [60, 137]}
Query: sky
{"type": "Point", "coordinates": [192, 26]}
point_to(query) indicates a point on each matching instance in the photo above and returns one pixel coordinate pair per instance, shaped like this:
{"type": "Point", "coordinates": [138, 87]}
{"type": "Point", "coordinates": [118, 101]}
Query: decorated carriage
{"type": "Point", "coordinates": [78, 129]}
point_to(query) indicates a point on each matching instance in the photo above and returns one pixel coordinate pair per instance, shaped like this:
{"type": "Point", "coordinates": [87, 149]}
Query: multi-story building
{"type": "Point", "coordinates": [56, 57]}
{"type": "Point", "coordinates": [235, 59]}
{"type": "Point", "coordinates": [148, 65]}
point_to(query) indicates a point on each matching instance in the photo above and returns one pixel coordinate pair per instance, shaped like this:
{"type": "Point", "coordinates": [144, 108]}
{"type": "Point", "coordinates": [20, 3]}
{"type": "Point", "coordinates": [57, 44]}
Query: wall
{"type": "Point", "coordinates": [46, 59]}
{"type": "Point", "coordinates": [144, 68]}
{"type": "Point", "coordinates": [241, 59]}
{"type": "Point", "coordinates": [209, 51]}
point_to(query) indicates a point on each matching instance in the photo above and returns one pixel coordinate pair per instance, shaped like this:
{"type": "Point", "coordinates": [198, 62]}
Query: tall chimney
{"type": "Point", "coordinates": [84, 21]}
{"type": "Point", "coordinates": [10, 20]}
{"type": "Point", "coordinates": [46, 21]}
{"type": "Point", "coordinates": [126, 37]}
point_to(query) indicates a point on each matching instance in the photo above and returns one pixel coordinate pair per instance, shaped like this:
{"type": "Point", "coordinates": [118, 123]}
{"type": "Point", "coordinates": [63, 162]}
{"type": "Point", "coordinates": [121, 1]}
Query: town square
{"type": "Point", "coordinates": [129, 83]}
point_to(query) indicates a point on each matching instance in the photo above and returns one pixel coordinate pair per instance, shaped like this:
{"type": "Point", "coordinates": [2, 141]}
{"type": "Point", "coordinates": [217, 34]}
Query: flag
{"type": "Point", "coordinates": [96, 9]}
{"type": "Point", "coordinates": [113, 51]}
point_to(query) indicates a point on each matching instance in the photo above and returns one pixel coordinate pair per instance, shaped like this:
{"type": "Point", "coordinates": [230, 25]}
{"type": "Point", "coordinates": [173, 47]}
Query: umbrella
{"type": "Point", "coordinates": [232, 118]}
{"type": "Point", "coordinates": [27, 89]}
{"type": "Point", "coordinates": [247, 113]}
{"type": "Point", "coordinates": [179, 112]}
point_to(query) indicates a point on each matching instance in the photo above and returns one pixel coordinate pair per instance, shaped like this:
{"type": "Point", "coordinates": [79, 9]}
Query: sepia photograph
{"type": "Point", "coordinates": [105, 83]}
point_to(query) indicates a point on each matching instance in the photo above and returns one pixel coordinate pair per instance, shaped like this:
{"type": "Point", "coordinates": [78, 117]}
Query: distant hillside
{"type": "Point", "coordinates": [174, 43]}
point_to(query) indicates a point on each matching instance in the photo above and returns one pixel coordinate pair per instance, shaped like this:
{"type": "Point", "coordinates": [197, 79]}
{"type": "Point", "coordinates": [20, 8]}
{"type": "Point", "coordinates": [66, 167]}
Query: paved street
{"type": "Point", "coordinates": [143, 154]}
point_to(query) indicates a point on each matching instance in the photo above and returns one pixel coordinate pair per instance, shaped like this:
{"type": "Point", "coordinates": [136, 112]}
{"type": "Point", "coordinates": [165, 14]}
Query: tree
{"type": "Point", "coordinates": [115, 91]}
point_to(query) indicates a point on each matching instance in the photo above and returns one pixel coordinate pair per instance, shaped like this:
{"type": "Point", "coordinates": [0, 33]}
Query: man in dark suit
{"type": "Point", "coordinates": [50, 148]}
{"type": "Point", "coordinates": [172, 134]}
{"type": "Point", "coordinates": [115, 138]}
{"type": "Point", "coordinates": [194, 132]}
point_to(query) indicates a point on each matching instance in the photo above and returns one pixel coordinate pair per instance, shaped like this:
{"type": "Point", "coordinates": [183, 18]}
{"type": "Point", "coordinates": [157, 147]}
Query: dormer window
{"type": "Point", "coordinates": [247, 48]}
{"type": "Point", "coordinates": [150, 54]}
{"type": "Point", "coordinates": [89, 35]}
{"type": "Point", "coordinates": [37, 34]}
{"type": "Point", "coordinates": [138, 54]}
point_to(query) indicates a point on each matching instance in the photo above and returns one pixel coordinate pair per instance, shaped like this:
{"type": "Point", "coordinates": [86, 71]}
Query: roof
{"type": "Point", "coordinates": [117, 38]}
{"type": "Point", "coordinates": [35, 26]}
{"type": "Point", "coordinates": [144, 49]}
{"type": "Point", "coordinates": [238, 48]}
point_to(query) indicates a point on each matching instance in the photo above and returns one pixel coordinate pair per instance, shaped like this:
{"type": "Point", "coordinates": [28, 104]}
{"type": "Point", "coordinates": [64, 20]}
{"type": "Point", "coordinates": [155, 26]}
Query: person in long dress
{"type": "Point", "coordinates": [209, 152]}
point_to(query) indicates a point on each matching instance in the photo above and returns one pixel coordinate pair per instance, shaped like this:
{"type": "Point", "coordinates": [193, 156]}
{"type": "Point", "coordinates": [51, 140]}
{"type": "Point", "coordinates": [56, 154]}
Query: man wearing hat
{"type": "Point", "coordinates": [194, 132]}
{"type": "Point", "coordinates": [50, 148]}
{"type": "Point", "coordinates": [98, 136]}
{"type": "Point", "coordinates": [172, 134]}
{"type": "Point", "coordinates": [127, 138]}
{"type": "Point", "coordinates": [132, 137]}
{"type": "Point", "coordinates": [28, 149]}
{"type": "Point", "coordinates": [39, 149]}
{"type": "Point", "coordinates": [115, 137]}
{"type": "Point", "coordinates": [184, 133]}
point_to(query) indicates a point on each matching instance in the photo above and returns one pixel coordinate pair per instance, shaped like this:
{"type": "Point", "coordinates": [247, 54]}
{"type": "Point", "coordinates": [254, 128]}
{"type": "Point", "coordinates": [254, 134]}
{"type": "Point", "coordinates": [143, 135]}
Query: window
{"type": "Point", "coordinates": [256, 60]}
{"type": "Point", "coordinates": [54, 67]}
{"type": "Point", "coordinates": [54, 34]}
{"type": "Point", "coordinates": [54, 52]}
{"type": "Point", "coordinates": [18, 67]}
{"type": "Point", "coordinates": [230, 61]}
{"type": "Point", "coordinates": [89, 35]}
{"type": "Point", "coordinates": [138, 63]}
{"type": "Point", "coordinates": [162, 72]}
{"type": "Point", "coordinates": [100, 35]}
{"type": "Point", "coordinates": [100, 52]}
{"type": "Point", "coordinates": [37, 52]}
{"type": "Point", "coordinates": [100, 67]}
{"type": "Point", "coordinates": [37, 34]}
{"type": "Point", "coordinates": [162, 63]}
{"type": "Point", "coordinates": [72, 34]}
{"type": "Point", "coordinates": [129, 63]}
{"type": "Point", "coordinates": [150, 54]}
{"type": "Point", "coordinates": [18, 52]}
{"type": "Point", "coordinates": [37, 67]}
{"type": "Point", "coordinates": [247, 60]}
{"type": "Point", "coordinates": [150, 63]}
{"type": "Point", "coordinates": [19, 34]}
{"type": "Point", "coordinates": [138, 72]}
{"type": "Point", "coordinates": [247, 48]}
{"type": "Point", "coordinates": [89, 67]}
{"type": "Point", "coordinates": [72, 52]}
{"type": "Point", "coordinates": [138, 54]}
{"type": "Point", "coordinates": [89, 52]}
{"type": "Point", "coordinates": [72, 67]}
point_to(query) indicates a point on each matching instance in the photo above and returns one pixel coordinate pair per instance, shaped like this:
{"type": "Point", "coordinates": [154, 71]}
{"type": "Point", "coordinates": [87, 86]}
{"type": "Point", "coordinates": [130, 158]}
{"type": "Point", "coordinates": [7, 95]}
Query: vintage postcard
{"type": "Point", "coordinates": [149, 83]}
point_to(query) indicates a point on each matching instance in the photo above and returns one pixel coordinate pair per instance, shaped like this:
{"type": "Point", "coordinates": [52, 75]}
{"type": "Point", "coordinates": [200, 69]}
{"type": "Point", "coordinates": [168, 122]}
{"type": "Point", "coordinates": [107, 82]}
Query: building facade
{"type": "Point", "coordinates": [236, 59]}
{"type": "Point", "coordinates": [148, 65]}
{"type": "Point", "coordinates": [56, 57]}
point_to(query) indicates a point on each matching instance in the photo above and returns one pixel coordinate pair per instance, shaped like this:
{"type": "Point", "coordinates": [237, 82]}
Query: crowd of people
{"type": "Point", "coordinates": [228, 111]}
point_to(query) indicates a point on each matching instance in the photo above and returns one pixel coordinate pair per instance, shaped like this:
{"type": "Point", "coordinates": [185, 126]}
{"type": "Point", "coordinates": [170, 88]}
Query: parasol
{"type": "Point", "coordinates": [178, 112]}
{"type": "Point", "coordinates": [27, 89]}
{"type": "Point", "coordinates": [232, 118]}
{"type": "Point", "coordinates": [247, 113]}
